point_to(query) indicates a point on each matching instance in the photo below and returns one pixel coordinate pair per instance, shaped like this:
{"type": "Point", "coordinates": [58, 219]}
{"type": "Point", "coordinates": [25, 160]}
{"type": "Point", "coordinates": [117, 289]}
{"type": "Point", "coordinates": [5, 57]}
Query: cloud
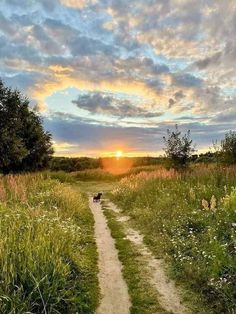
{"type": "Point", "coordinates": [179, 95]}
{"type": "Point", "coordinates": [75, 3]}
{"type": "Point", "coordinates": [93, 139]}
{"type": "Point", "coordinates": [208, 61]}
{"type": "Point", "coordinates": [171, 102]}
{"type": "Point", "coordinates": [129, 60]}
{"type": "Point", "coordinates": [40, 107]}
{"type": "Point", "coordinates": [98, 137]}
{"type": "Point", "coordinates": [228, 116]}
{"type": "Point", "coordinates": [107, 104]}
{"type": "Point", "coordinates": [6, 27]}
{"type": "Point", "coordinates": [186, 80]}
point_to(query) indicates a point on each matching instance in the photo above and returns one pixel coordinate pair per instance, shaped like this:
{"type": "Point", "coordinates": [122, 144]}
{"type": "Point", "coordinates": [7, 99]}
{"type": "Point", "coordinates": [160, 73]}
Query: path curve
{"type": "Point", "coordinates": [114, 291]}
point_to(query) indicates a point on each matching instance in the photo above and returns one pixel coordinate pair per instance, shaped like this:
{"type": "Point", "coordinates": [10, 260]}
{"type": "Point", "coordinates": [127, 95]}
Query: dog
{"type": "Point", "coordinates": [97, 198]}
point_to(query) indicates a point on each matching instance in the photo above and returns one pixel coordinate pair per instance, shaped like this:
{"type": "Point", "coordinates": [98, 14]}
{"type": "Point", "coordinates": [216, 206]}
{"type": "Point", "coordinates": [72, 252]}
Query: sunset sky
{"type": "Point", "coordinates": [113, 75]}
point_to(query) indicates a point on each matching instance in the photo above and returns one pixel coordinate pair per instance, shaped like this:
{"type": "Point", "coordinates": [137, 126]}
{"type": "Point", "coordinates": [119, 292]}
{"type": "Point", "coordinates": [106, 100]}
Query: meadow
{"type": "Point", "coordinates": [48, 256]}
{"type": "Point", "coordinates": [47, 250]}
{"type": "Point", "coordinates": [189, 219]}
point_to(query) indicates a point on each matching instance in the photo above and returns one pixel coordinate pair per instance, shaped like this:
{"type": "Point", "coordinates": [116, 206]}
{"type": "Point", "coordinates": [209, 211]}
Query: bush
{"type": "Point", "coordinates": [228, 148]}
{"type": "Point", "coordinates": [178, 148]}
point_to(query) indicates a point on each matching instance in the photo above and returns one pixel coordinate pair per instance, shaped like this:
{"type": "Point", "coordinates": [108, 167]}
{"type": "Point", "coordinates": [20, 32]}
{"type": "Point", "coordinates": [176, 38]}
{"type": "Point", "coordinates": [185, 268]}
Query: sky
{"type": "Point", "coordinates": [110, 75]}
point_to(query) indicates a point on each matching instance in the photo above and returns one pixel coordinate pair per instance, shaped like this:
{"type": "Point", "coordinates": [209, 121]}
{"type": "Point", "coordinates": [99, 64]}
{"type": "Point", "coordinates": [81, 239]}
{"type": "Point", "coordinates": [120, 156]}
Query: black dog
{"type": "Point", "coordinates": [97, 198]}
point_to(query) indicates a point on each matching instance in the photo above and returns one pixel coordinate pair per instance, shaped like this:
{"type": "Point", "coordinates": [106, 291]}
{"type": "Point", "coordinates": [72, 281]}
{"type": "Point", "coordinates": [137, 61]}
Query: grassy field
{"type": "Point", "coordinates": [190, 220]}
{"type": "Point", "coordinates": [105, 176]}
{"type": "Point", "coordinates": [48, 257]}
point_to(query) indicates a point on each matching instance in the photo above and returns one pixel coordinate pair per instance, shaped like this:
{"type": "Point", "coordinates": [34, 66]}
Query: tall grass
{"type": "Point", "coordinates": [102, 174]}
{"type": "Point", "coordinates": [47, 251]}
{"type": "Point", "coordinates": [190, 220]}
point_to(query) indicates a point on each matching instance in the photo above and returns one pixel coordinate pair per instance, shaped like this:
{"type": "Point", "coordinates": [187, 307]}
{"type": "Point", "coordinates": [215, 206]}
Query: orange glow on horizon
{"type": "Point", "coordinates": [117, 164]}
{"type": "Point", "coordinates": [119, 154]}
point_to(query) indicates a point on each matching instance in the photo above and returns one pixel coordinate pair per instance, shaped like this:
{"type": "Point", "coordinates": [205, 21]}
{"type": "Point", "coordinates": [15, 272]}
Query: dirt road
{"type": "Point", "coordinates": [115, 297]}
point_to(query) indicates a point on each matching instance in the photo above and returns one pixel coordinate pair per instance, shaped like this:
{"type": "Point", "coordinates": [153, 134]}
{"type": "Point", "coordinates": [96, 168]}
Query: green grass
{"type": "Point", "coordinates": [190, 220]}
{"type": "Point", "coordinates": [94, 175]}
{"type": "Point", "coordinates": [61, 176]}
{"type": "Point", "coordinates": [102, 175]}
{"type": "Point", "coordinates": [143, 296]}
{"type": "Point", "coordinates": [48, 257]}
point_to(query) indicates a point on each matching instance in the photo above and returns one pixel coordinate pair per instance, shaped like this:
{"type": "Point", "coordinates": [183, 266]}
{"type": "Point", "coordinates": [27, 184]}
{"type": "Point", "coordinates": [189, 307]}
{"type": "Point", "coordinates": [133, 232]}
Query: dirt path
{"type": "Point", "coordinates": [115, 297]}
{"type": "Point", "coordinates": [169, 296]}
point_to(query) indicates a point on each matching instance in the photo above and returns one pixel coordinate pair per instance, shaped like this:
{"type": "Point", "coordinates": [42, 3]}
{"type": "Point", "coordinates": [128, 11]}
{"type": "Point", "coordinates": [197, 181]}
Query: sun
{"type": "Point", "coordinates": [119, 154]}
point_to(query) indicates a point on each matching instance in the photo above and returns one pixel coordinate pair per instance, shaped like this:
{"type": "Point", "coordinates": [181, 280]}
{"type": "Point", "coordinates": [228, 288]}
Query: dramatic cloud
{"type": "Point", "coordinates": [122, 68]}
{"type": "Point", "coordinates": [109, 105]}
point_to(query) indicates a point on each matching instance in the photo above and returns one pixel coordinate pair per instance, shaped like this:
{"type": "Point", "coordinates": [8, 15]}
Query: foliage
{"type": "Point", "coordinates": [73, 164]}
{"type": "Point", "coordinates": [189, 220]}
{"type": "Point", "coordinates": [47, 250]}
{"type": "Point", "coordinates": [148, 161]}
{"type": "Point", "coordinates": [24, 145]}
{"type": "Point", "coordinates": [207, 157]}
{"type": "Point", "coordinates": [69, 164]}
{"type": "Point", "coordinates": [178, 148]}
{"type": "Point", "coordinates": [228, 148]}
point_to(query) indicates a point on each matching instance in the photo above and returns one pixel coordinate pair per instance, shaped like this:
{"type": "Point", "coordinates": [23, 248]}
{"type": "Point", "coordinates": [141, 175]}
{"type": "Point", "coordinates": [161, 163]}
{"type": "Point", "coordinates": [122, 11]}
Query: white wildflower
{"type": "Point", "coordinates": [205, 204]}
{"type": "Point", "coordinates": [213, 203]}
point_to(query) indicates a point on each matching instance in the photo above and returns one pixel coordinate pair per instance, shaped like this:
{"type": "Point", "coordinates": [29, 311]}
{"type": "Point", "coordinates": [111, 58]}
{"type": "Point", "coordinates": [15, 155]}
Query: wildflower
{"type": "Point", "coordinates": [213, 203]}
{"type": "Point", "coordinates": [225, 188]}
{"type": "Point", "coordinates": [205, 204]}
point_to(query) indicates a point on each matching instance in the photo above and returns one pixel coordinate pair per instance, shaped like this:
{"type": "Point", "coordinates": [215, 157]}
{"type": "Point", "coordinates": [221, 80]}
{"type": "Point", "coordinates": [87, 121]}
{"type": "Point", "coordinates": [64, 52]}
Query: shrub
{"type": "Point", "coordinates": [228, 148]}
{"type": "Point", "coordinates": [178, 148]}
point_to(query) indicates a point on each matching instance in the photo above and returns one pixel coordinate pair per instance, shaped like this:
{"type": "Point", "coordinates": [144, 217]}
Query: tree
{"type": "Point", "coordinates": [24, 145]}
{"type": "Point", "coordinates": [228, 148]}
{"type": "Point", "coordinates": [178, 148]}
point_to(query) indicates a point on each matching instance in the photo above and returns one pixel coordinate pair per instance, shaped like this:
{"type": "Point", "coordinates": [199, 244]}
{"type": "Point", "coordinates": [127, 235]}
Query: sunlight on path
{"type": "Point", "coordinates": [115, 297]}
